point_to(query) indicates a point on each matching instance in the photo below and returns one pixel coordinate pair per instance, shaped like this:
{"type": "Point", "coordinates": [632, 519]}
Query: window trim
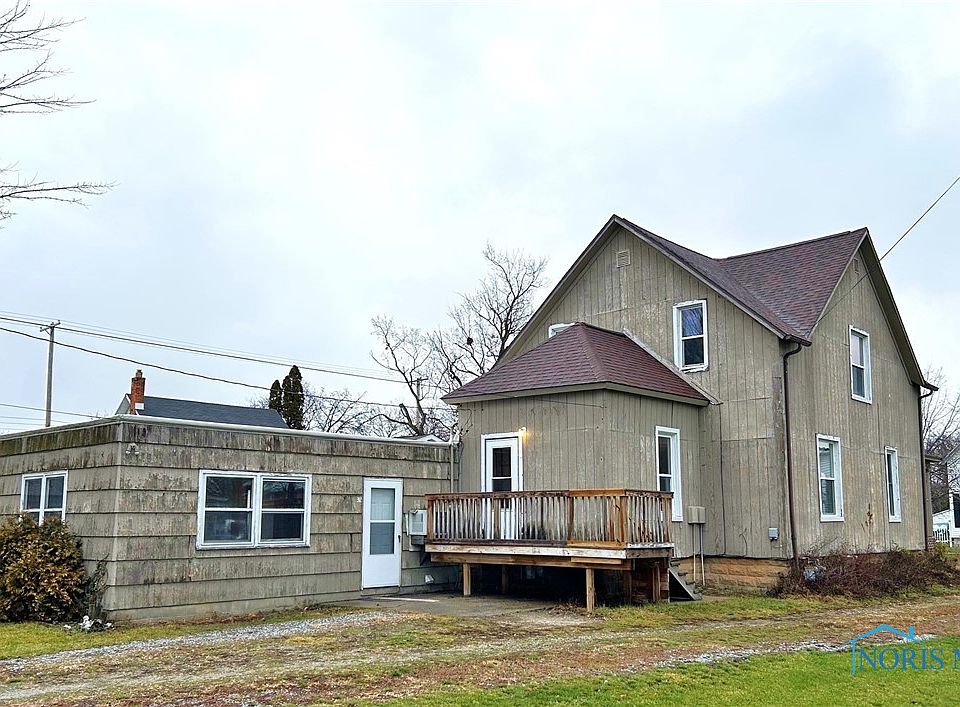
{"type": "Point", "coordinates": [43, 476]}
{"type": "Point", "coordinates": [558, 328]}
{"type": "Point", "coordinates": [256, 509]}
{"type": "Point", "coordinates": [485, 479]}
{"type": "Point", "coordinates": [676, 477]}
{"type": "Point", "coordinates": [897, 516]}
{"type": "Point", "coordinates": [678, 337]}
{"type": "Point", "coordinates": [838, 481]}
{"type": "Point", "coordinates": [867, 366]}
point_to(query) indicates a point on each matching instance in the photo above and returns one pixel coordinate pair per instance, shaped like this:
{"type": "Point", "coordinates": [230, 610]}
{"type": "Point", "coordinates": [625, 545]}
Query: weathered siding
{"type": "Point", "coordinates": [742, 451]}
{"type": "Point", "coordinates": [589, 439]}
{"type": "Point", "coordinates": [91, 456]}
{"type": "Point", "coordinates": [821, 404]}
{"type": "Point", "coordinates": [142, 512]}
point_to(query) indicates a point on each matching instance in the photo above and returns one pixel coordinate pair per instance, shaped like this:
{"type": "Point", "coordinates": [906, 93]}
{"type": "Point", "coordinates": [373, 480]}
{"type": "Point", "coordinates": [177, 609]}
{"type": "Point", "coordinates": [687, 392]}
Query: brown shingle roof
{"type": "Point", "coordinates": [580, 355]}
{"type": "Point", "coordinates": [787, 287]}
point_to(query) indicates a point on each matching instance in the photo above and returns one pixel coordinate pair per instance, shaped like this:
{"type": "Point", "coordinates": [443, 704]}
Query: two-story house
{"type": "Point", "coordinates": [665, 404]}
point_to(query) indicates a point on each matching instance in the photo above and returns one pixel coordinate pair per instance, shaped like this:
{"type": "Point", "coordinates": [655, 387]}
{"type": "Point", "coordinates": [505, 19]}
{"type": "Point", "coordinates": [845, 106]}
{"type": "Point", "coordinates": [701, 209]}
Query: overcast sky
{"type": "Point", "coordinates": [286, 171]}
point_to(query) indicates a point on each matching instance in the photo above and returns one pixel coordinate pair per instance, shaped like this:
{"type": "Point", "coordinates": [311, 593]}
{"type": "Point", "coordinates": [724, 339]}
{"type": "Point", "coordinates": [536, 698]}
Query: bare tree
{"type": "Point", "coordinates": [482, 325]}
{"type": "Point", "coordinates": [26, 51]}
{"type": "Point", "coordinates": [484, 322]}
{"type": "Point", "coordinates": [338, 411]}
{"type": "Point", "coordinates": [940, 422]}
{"type": "Point", "coordinates": [410, 353]}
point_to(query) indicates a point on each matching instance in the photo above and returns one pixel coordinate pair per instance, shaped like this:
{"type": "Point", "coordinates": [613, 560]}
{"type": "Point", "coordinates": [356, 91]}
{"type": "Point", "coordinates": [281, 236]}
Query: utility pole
{"type": "Point", "coordinates": [50, 328]}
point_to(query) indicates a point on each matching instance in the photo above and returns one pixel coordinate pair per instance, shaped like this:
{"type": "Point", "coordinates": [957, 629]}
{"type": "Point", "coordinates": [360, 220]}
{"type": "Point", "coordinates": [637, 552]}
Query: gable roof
{"type": "Point", "coordinates": [786, 289]}
{"type": "Point", "coordinates": [176, 409]}
{"type": "Point", "coordinates": [581, 355]}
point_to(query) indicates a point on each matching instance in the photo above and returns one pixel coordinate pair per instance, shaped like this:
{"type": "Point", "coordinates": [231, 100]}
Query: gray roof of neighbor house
{"type": "Point", "coordinates": [581, 355]}
{"type": "Point", "coordinates": [176, 409]}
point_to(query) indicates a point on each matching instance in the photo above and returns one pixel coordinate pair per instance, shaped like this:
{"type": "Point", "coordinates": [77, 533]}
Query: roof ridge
{"type": "Point", "coordinates": [203, 402]}
{"type": "Point", "coordinates": [648, 232]}
{"type": "Point", "coordinates": [790, 245]}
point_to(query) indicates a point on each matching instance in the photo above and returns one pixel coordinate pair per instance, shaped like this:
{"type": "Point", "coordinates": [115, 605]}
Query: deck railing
{"type": "Point", "coordinates": [614, 518]}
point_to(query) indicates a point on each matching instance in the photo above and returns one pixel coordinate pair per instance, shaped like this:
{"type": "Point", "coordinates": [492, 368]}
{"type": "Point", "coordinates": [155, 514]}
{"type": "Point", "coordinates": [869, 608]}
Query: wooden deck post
{"type": "Point", "coordinates": [466, 579]}
{"type": "Point", "coordinates": [591, 591]}
{"type": "Point", "coordinates": [504, 579]}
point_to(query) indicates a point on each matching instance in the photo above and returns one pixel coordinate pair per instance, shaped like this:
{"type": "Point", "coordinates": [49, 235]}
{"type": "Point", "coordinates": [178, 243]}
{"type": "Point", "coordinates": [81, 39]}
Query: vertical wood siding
{"type": "Point", "coordinates": [742, 445]}
{"type": "Point", "coordinates": [821, 404]}
{"type": "Point", "coordinates": [590, 439]}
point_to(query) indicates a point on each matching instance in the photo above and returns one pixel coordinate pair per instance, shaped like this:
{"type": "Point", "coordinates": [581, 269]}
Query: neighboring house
{"type": "Point", "coordinates": [196, 517]}
{"type": "Point", "coordinates": [772, 396]}
{"type": "Point", "coordinates": [137, 402]}
{"type": "Point", "coordinates": [946, 523]}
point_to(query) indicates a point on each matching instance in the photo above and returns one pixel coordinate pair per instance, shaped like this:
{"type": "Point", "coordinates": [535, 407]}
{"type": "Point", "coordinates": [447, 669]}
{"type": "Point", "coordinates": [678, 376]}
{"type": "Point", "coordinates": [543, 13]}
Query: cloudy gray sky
{"type": "Point", "coordinates": [286, 171]}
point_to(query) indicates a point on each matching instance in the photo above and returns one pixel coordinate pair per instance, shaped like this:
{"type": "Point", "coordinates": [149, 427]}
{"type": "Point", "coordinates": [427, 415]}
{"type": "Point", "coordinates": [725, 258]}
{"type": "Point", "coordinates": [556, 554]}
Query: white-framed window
{"type": "Point", "coordinates": [861, 375]}
{"type": "Point", "coordinates": [668, 467]}
{"type": "Point", "coordinates": [246, 509]}
{"type": "Point", "coordinates": [891, 463]}
{"type": "Point", "coordinates": [830, 478]}
{"type": "Point", "coordinates": [690, 335]}
{"type": "Point", "coordinates": [44, 495]}
{"type": "Point", "coordinates": [555, 329]}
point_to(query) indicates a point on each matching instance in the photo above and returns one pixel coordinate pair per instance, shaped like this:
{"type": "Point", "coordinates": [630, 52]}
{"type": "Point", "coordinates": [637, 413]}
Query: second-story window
{"type": "Point", "coordinates": [861, 385]}
{"type": "Point", "coordinates": [690, 335]}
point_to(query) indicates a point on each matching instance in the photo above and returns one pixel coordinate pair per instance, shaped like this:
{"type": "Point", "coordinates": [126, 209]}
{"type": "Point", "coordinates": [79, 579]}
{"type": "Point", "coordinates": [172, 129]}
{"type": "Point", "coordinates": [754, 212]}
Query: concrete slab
{"type": "Point", "coordinates": [445, 604]}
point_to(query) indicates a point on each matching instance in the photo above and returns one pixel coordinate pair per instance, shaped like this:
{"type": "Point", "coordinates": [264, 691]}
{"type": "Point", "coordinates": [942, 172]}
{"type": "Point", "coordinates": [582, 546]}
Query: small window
{"type": "Point", "coordinates": [892, 465]}
{"type": "Point", "coordinates": [668, 467]}
{"type": "Point", "coordinates": [240, 509]}
{"type": "Point", "coordinates": [861, 385]}
{"type": "Point", "coordinates": [956, 510]}
{"type": "Point", "coordinates": [830, 478]}
{"type": "Point", "coordinates": [44, 495]}
{"type": "Point", "coordinates": [556, 329]}
{"type": "Point", "coordinates": [690, 335]}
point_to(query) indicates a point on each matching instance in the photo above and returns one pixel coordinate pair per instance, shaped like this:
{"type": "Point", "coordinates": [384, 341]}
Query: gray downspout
{"type": "Point", "coordinates": [924, 479]}
{"type": "Point", "coordinates": [791, 501]}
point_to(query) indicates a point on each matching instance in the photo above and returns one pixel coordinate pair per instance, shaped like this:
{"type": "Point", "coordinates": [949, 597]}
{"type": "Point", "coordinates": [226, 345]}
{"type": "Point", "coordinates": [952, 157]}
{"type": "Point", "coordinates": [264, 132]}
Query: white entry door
{"type": "Point", "coordinates": [502, 471]}
{"type": "Point", "coordinates": [382, 508]}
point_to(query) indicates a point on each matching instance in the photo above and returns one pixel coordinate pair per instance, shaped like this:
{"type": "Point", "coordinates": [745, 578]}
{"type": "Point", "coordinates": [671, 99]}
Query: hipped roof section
{"type": "Point", "coordinates": [581, 357]}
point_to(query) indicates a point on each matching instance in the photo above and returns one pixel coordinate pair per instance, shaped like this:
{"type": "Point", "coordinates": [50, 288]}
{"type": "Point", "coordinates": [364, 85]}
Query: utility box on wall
{"type": "Point", "coordinates": [696, 515]}
{"type": "Point", "coordinates": [417, 526]}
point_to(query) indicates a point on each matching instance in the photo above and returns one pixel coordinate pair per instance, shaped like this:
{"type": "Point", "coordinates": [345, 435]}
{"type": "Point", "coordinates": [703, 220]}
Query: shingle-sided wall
{"type": "Point", "coordinates": [144, 513]}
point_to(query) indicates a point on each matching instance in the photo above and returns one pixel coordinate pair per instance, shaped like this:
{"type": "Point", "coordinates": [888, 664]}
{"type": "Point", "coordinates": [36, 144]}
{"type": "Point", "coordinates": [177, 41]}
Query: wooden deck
{"type": "Point", "coordinates": [588, 528]}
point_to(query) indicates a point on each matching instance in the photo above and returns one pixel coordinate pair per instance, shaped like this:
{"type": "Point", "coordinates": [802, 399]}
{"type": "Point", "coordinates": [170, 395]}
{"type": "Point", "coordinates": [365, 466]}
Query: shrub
{"type": "Point", "coordinates": [868, 575]}
{"type": "Point", "coordinates": [41, 571]}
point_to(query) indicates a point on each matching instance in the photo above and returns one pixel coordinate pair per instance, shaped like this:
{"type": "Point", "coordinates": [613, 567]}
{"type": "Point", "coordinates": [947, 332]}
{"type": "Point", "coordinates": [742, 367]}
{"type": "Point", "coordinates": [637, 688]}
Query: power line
{"type": "Point", "coordinates": [143, 340]}
{"type": "Point", "coordinates": [55, 412]}
{"type": "Point", "coordinates": [203, 376]}
{"type": "Point", "coordinates": [890, 249]}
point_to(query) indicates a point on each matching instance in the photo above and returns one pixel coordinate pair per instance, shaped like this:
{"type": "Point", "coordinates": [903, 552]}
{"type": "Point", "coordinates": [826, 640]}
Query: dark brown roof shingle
{"type": "Point", "coordinates": [580, 355]}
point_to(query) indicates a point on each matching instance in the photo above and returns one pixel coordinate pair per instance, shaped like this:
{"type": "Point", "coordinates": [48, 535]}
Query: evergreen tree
{"type": "Point", "coordinates": [276, 397]}
{"type": "Point", "coordinates": [291, 407]}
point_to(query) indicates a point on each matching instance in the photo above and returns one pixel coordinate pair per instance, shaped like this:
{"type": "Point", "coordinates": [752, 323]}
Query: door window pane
{"type": "Point", "coordinates": [283, 494]}
{"type": "Point", "coordinates": [227, 526]}
{"type": "Point", "coordinates": [381, 538]}
{"type": "Point", "coordinates": [32, 494]}
{"type": "Point", "coordinates": [382, 504]}
{"type": "Point", "coordinates": [281, 526]}
{"type": "Point", "coordinates": [501, 461]}
{"type": "Point", "coordinates": [54, 493]}
{"type": "Point", "coordinates": [229, 492]}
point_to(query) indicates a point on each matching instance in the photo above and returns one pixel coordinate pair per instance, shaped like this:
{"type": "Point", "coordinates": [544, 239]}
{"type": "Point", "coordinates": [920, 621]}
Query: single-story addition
{"type": "Point", "coordinates": [663, 407]}
{"type": "Point", "coordinates": [198, 517]}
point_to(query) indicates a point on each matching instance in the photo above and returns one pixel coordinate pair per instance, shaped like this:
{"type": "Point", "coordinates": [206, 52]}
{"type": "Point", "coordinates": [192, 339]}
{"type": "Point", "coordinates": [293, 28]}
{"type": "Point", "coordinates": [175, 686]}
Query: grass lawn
{"type": "Point", "coordinates": [22, 640]}
{"type": "Point", "coordinates": [808, 678]}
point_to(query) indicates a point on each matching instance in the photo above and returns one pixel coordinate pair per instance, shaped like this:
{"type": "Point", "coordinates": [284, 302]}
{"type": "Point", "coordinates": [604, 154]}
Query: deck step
{"type": "Point", "coordinates": [681, 588]}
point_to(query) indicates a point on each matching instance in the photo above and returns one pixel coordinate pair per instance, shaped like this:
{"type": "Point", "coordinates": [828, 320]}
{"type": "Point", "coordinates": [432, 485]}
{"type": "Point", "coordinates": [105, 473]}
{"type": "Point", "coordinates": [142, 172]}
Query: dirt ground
{"type": "Point", "coordinates": [385, 651]}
